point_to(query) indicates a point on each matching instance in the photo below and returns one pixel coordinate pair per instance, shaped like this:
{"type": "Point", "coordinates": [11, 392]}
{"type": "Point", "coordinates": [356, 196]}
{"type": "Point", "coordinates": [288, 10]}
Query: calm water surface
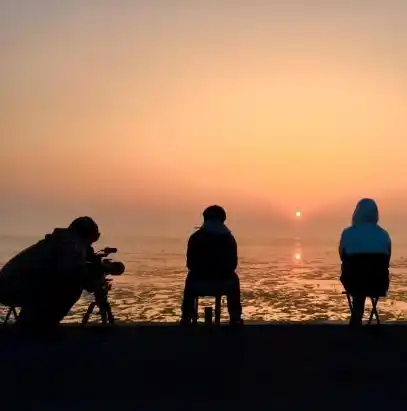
{"type": "Point", "coordinates": [281, 280]}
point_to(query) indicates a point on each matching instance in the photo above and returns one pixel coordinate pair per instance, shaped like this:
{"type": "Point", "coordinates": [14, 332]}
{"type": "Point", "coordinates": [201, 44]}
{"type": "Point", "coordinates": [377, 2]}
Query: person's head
{"type": "Point", "coordinates": [366, 212]}
{"type": "Point", "coordinates": [86, 229]}
{"type": "Point", "coordinates": [214, 213]}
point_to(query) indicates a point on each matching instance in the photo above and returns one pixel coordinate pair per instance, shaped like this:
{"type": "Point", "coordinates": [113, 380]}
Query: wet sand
{"type": "Point", "coordinates": [291, 281]}
{"type": "Point", "coordinates": [144, 367]}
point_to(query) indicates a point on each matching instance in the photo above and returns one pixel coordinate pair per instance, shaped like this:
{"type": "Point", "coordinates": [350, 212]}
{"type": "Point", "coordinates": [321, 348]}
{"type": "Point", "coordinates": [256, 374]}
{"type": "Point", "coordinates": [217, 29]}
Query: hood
{"type": "Point", "coordinates": [366, 212]}
{"type": "Point", "coordinates": [64, 236]}
{"type": "Point", "coordinates": [215, 227]}
{"type": "Point", "coordinates": [59, 233]}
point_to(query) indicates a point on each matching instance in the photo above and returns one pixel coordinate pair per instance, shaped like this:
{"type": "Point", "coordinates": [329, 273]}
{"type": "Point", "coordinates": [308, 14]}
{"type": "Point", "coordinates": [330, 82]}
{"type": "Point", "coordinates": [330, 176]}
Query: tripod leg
{"type": "Point", "coordinates": [103, 311]}
{"type": "Point", "coordinates": [110, 316]}
{"type": "Point", "coordinates": [103, 315]}
{"type": "Point", "coordinates": [89, 311]}
{"type": "Point", "coordinates": [7, 316]}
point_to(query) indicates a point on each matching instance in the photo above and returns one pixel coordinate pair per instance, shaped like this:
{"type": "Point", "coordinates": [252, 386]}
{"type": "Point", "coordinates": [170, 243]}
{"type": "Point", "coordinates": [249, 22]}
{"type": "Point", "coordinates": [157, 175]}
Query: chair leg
{"type": "Point", "coordinates": [218, 307]}
{"type": "Point", "coordinates": [374, 312]}
{"type": "Point", "coordinates": [349, 299]}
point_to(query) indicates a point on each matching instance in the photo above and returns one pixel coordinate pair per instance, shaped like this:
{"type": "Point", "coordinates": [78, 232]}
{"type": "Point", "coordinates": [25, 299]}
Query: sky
{"type": "Point", "coordinates": [141, 113]}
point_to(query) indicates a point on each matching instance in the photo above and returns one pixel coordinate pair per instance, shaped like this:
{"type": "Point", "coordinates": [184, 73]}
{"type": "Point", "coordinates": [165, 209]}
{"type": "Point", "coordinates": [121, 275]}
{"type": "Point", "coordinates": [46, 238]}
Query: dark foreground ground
{"type": "Point", "coordinates": [146, 367]}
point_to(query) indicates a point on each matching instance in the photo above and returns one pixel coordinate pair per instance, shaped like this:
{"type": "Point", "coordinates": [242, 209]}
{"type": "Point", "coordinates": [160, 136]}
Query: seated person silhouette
{"type": "Point", "coordinates": [47, 278]}
{"type": "Point", "coordinates": [212, 258]}
{"type": "Point", "coordinates": [365, 251]}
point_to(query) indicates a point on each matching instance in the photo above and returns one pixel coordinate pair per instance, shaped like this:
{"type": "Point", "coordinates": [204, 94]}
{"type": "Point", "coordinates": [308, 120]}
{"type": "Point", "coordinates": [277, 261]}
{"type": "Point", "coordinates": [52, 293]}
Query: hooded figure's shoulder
{"type": "Point", "coordinates": [375, 229]}
{"type": "Point", "coordinates": [365, 239]}
{"type": "Point", "coordinates": [365, 235]}
{"type": "Point", "coordinates": [384, 232]}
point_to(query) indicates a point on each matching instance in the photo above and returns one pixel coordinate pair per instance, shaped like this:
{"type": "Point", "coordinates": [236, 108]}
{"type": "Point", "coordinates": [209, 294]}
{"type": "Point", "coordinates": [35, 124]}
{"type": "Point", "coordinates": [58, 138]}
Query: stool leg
{"type": "Point", "coordinates": [218, 307]}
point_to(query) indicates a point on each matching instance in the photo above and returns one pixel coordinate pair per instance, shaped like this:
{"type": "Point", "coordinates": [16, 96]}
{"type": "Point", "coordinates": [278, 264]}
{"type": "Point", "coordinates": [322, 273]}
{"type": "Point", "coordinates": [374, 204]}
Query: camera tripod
{"type": "Point", "coordinates": [101, 301]}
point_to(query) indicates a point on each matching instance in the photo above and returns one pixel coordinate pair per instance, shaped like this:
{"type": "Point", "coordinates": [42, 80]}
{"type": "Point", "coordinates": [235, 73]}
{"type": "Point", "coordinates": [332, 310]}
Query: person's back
{"type": "Point", "coordinates": [212, 252]}
{"type": "Point", "coordinates": [40, 266]}
{"type": "Point", "coordinates": [365, 236]}
{"type": "Point", "coordinates": [365, 252]}
{"type": "Point", "coordinates": [211, 261]}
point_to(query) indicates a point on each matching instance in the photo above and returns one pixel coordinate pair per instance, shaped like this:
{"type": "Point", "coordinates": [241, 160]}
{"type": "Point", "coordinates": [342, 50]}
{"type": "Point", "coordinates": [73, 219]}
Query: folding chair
{"type": "Point", "coordinates": [11, 311]}
{"type": "Point", "coordinates": [373, 312]}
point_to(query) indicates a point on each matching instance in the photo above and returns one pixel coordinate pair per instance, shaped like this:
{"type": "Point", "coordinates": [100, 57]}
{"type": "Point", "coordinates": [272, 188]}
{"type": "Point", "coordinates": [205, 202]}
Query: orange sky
{"type": "Point", "coordinates": [159, 108]}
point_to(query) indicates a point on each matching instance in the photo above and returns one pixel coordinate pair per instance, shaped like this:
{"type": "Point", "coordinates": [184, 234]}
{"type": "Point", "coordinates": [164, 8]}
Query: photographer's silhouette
{"type": "Point", "coordinates": [47, 278]}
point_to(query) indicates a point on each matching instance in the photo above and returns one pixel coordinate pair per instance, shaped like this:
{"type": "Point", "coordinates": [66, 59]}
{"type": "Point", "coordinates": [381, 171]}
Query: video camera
{"type": "Point", "coordinates": [99, 266]}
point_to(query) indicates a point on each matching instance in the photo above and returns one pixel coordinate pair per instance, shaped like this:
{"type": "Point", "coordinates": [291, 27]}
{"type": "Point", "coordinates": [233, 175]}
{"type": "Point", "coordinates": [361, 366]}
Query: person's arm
{"type": "Point", "coordinates": [91, 256]}
{"type": "Point", "coordinates": [390, 247]}
{"type": "Point", "coordinates": [191, 253]}
{"type": "Point", "coordinates": [341, 248]}
{"type": "Point", "coordinates": [71, 262]}
{"type": "Point", "coordinates": [233, 257]}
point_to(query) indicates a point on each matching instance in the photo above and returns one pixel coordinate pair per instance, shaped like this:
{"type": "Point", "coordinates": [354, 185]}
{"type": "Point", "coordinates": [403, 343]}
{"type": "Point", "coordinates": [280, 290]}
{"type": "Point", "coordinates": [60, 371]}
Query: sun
{"type": "Point", "coordinates": [298, 213]}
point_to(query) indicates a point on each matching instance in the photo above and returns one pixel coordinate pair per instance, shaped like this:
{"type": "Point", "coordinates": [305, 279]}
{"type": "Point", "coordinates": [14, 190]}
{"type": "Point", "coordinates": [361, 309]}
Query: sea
{"type": "Point", "coordinates": [282, 280]}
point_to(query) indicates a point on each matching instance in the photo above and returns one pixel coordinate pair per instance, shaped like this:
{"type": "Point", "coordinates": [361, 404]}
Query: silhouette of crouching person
{"type": "Point", "coordinates": [47, 278]}
{"type": "Point", "coordinates": [365, 252]}
{"type": "Point", "coordinates": [211, 261]}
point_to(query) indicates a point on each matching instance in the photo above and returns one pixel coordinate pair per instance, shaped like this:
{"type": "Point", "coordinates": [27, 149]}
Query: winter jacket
{"type": "Point", "coordinates": [365, 251]}
{"type": "Point", "coordinates": [212, 252]}
{"type": "Point", "coordinates": [56, 262]}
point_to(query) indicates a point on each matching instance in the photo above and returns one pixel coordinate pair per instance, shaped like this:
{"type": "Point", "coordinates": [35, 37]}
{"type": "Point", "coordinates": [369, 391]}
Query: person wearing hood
{"type": "Point", "coordinates": [365, 252]}
{"type": "Point", "coordinates": [212, 256]}
{"type": "Point", "coordinates": [46, 279]}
